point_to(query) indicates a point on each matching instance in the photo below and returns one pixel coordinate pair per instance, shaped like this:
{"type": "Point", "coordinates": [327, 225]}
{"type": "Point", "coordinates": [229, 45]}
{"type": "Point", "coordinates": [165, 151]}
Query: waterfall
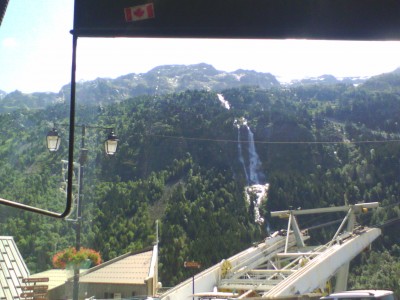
{"type": "Point", "coordinates": [252, 166]}
{"type": "Point", "coordinates": [241, 158]}
{"type": "Point", "coordinates": [249, 158]}
{"type": "Point", "coordinates": [224, 102]}
{"type": "Point", "coordinates": [256, 175]}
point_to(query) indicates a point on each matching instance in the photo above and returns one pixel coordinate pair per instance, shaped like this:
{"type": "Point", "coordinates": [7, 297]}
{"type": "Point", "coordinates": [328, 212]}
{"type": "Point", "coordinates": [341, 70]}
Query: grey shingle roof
{"type": "Point", "coordinates": [12, 269]}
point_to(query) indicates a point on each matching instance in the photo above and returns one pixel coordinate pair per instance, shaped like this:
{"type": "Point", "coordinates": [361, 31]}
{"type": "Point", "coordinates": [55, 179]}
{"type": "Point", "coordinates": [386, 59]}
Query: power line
{"type": "Point", "coordinates": [390, 205]}
{"type": "Point", "coordinates": [391, 221]}
{"type": "Point", "coordinates": [270, 142]}
{"type": "Point", "coordinates": [324, 224]}
{"type": "Point", "coordinates": [387, 223]}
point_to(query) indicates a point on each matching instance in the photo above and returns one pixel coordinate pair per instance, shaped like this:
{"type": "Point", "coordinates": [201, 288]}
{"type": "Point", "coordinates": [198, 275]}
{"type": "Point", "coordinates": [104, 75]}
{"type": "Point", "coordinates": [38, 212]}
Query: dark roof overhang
{"type": "Point", "coordinates": [3, 7]}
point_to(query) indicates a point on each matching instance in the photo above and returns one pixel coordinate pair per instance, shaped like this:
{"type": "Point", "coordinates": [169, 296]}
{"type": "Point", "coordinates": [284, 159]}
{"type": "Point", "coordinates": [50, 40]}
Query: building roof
{"type": "Point", "coordinates": [12, 269]}
{"type": "Point", "coordinates": [57, 277]}
{"type": "Point", "coordinates": [131, 268]}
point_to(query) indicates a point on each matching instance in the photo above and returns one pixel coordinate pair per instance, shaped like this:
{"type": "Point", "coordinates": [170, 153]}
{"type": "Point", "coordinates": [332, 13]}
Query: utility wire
{"type": "Point", "coordinates": [387, 223]}
{"type": "Point", "coordinates": [271, 142]}
{"type": "Point", "coordinates": [390, 205]}
{"type": "Point", "coordinates": [324, 224]}
{"type": "Point", "coordinates": [391, 221]}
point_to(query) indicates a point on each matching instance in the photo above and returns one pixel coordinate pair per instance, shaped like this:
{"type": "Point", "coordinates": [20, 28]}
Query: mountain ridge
{"type": "Point", "coordinates": [176, 78]}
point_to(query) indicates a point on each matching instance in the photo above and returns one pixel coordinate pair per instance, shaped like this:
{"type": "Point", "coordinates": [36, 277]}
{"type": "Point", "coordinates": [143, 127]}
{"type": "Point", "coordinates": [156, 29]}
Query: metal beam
{"type": "Point", "coordinates": [358, 208]}
{"type": "Point", "coordinates": [319, 270]}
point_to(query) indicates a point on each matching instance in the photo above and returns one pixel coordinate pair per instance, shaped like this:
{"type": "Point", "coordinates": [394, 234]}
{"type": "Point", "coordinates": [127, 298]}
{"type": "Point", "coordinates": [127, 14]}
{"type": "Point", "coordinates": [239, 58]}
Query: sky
{"type": "Point", "coordinates": [36, 52]}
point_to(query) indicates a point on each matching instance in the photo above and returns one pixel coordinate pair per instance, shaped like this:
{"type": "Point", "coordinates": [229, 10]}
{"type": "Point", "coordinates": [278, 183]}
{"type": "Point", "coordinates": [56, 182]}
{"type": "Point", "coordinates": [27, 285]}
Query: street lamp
{"type": "Point", "coordinates": [53, 140]}
{"type": "Point", "coordinates": [110, 144]}
{"type": "Point", "coordinates": [53, 143]}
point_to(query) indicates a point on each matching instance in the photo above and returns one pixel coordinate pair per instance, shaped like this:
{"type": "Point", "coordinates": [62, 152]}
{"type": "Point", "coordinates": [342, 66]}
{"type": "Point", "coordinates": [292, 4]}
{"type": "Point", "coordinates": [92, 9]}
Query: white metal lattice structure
{"type": "Point", "coordinates": [282, 265]}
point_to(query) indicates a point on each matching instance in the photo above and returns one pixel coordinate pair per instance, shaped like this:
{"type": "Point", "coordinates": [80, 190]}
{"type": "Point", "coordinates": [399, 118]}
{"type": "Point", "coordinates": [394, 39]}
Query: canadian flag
{"type": "Point", "coordinates": [140, 12]}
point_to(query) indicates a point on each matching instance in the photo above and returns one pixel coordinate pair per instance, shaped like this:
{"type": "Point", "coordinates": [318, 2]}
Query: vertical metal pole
{"type": "Point", "coordinates": [193, 286]}
{"type": "Point", "coordinates": [157, 237]}
{"type": "Point", "coordinates": [72, 122]}
{"type": "Point", "coordinates": [79, 213]}
{"type": "Point", "coordinates": [342, 275]}
{"type": "Point", "coordinates": [81, 195]}
{"type": "Point", "coordinates": [71, 153]}
{"type": "Point", "coordinates": [297, 231]}
{"type": "Point", "coordinates": [288, 232]}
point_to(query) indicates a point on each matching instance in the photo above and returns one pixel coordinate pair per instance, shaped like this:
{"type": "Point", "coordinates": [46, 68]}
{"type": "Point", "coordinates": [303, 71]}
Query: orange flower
{"type": "Point", "coordinates": [70, 256]}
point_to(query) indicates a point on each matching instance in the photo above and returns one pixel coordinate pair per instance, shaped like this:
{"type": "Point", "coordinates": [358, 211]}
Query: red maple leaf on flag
{"type": "Point", "coordinates": [139, 12]}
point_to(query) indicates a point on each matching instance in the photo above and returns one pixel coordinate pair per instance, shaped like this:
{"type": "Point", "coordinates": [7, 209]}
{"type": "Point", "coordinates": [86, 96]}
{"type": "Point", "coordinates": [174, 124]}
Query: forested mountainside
{"type": "Point", "coordinates": [183, 160]}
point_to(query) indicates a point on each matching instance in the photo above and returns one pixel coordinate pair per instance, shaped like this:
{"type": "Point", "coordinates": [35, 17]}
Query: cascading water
{"type": "Point", "coordinates": [256, 176]}
{"type": "Point", "coordinates": [223, 101]}
{"type": "Point", "coordinates": [257, 188]}
{"type": "Point", "coordinates": [241, 158]}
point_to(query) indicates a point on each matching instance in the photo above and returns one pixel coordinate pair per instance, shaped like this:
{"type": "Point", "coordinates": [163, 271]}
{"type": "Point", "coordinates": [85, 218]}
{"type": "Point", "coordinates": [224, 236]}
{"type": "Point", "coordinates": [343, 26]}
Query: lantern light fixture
{"type": "Point", "coordinates": [53, 140]}
{"type": "Point", "coordinates": [111, 144]}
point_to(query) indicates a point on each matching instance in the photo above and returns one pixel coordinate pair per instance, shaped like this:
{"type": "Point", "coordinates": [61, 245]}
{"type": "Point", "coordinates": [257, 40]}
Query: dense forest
{"type": "Point", "coordinates": [178, 165]}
